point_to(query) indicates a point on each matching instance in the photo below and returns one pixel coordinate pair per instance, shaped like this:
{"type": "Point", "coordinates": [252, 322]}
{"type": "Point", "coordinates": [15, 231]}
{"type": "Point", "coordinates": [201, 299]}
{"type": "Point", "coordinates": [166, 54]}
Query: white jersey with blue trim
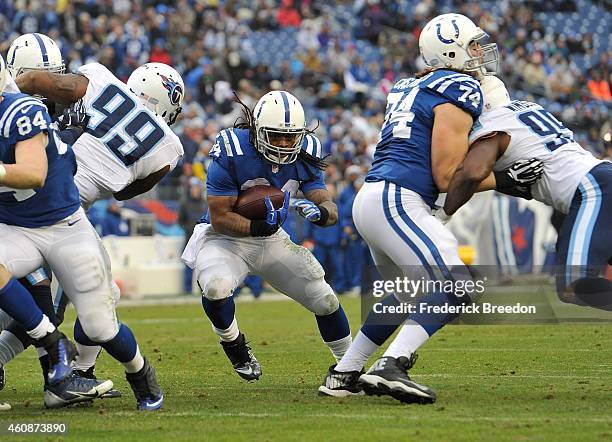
{"type": "Point", "coordinates": [22, 117]}
{"type": "Point", "coordinates": [536, 133]}
{"type": "Point", "coordinates": [237, 165]}
{"type": "Point", "coordinates": [124, 141]}
{"type": "Point", "coordinates": [403, 153]}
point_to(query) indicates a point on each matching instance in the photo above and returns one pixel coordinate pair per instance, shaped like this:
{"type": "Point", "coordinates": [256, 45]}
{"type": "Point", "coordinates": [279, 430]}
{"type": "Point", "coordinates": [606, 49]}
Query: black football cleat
{"type": "Point", "coordinates": [389, 376]}
{"type": "Point", "coordinates": [242, 358]}
{"type": "Point", "coordinates": [341, 384]}
{"type": "Point", "coordinates": [90, 374]}
{"type": "Point", "coordinates": [2, 377]}
{"type": "Point", "coordinates": [147, 391]}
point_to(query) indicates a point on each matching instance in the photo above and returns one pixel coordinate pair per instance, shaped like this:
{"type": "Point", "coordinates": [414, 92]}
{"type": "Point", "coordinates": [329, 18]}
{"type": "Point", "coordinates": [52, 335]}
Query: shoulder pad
{"type": "Point", "coordinates": [458, 89]}
{"type": "Point", "coordinates": [12, 122]}
{"type": "Point", "coordinates": [227, 145]}
{"type": "Point", "coordinates": [312, 146]}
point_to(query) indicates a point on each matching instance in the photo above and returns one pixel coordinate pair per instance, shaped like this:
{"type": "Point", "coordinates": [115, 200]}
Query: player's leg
{"type": "Point", "coordinates": [15, 337]}
{"type": "Point", "coordinates": [220, 267]}
{"type": "Point", "coordinates": [18, 257]}
{"type": "Point", "coordinates": [85, 363]}
{"type": "Point", "coordinates": [81, 265]}
{"type": "Point", "coordinates": [435, 247]}
{"type": "Point", "coordinates": [294, 271]}
{"type": "Point", "coordinates": [584, 246]}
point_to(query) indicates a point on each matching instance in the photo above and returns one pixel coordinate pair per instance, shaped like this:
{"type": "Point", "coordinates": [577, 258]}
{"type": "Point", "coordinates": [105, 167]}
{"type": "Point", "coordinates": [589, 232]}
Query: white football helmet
{"type": "Point", "coordinates": [445, 41]}
{"type": "Point", "coordinates": [34, 52]}
{"type": "Point", "coordinates": [494, 93]}
{"type": "Point", "coordinates": [160, 88]}
{"type": "Point", "coordinates": [3, 75]}
{"type": "Point", "coordinates": [280, 126]}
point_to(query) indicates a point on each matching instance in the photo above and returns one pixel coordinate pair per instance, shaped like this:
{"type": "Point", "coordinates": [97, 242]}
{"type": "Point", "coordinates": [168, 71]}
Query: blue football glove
{"type": "Point", "coordinates": [274, 218]}
{"type": "Point", "coordinates": [277, 216]}
{"type": "Point", "coordinates": [307, 209]}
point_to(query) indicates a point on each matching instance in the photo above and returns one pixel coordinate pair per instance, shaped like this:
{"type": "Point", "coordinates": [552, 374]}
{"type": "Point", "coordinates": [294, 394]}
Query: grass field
{"type": "Point", "coordinates": [493, 383]}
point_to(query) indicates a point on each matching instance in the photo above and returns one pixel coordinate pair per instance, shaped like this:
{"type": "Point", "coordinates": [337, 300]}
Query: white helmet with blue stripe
{"type": "Point", "coordinates": [445, 43]}
{"type": "Point", "coordinates": [280, 126]}
{"type": "Point", "coordinates": [34, 52]}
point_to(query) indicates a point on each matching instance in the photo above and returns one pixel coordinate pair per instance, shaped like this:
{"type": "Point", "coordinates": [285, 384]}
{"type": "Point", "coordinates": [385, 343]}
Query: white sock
{"type": "Point", "coordinates": [229, 334]}
{"type": "Point", "coordinates": [136, 364]}
{"type": "Point", "coordinates": [10, 347]}
{"type": "Point", "coordinates": [43, 328]}
{"type": "Point", "coordinates": [87, 356]}
{"type": "Point", "coordinates": [410, 337]}
{"type": "Point", "coordinates": [357, 354]}
{"type": "Point", "coordinates": [339, 347]}
{"type": "Point", "coordinates": [41, 352]}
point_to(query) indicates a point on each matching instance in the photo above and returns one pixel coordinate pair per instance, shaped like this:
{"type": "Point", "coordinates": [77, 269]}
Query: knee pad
{"type": "Point", "coordinates": [323, 301]}
{"type": "Point", "coordinates": [217, 288]}
{"type": "Point", "coordinates": [99, 327]}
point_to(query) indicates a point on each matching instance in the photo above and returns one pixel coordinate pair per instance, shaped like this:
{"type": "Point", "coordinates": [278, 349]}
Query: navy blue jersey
{"type": "Point", "coordinates": [22, 117]}
{"type": "Point", "coordinates": [236, 165]}
{"type": "Point", "coordinates": [403, 153]}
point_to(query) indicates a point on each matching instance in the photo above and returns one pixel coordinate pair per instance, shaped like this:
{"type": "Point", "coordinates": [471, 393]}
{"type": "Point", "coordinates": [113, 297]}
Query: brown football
{"type": "Point", "coordinates": [251, 204]}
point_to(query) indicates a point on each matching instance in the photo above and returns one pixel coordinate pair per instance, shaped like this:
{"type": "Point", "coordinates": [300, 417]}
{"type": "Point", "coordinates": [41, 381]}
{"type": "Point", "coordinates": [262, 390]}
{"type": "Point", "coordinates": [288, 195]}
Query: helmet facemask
{"type": "Point", "coordinates": [486, 62]}
{"type": "Point", "coordinates": [268, 138]}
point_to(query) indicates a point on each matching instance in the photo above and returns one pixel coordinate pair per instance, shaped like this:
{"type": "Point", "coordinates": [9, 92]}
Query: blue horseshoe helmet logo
{"type": "Point", "coordinates": [446, 40]}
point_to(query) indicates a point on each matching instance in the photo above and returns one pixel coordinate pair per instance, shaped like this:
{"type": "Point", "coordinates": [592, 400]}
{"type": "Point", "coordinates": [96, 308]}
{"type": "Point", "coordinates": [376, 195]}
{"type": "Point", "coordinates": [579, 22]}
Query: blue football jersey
{"type": "Point", "coordinates": [403, 153]}
{"type": "Point", "coordinates": [236, 165]}
{"type": "Point", "coordinates": [22, 117]}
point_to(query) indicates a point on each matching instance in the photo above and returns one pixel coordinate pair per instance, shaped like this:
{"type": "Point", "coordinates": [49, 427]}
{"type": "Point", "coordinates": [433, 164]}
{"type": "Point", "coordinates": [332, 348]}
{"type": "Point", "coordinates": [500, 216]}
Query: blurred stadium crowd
{"type": "Point", "coordinates": [339, 58]}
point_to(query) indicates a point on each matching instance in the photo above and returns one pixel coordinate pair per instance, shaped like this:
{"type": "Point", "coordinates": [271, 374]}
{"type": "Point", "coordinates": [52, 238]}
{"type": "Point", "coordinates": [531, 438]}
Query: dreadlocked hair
{"type": "Point", "coordinates": [312, 160]}
{"type": "Point", "coordinates": [246, 120]}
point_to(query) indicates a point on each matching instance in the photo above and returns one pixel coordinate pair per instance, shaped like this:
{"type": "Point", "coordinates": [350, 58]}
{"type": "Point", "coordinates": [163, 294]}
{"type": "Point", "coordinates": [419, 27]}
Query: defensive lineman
{"type": "Point", "coordinates": [271, 147]}
{"type": "Point", "coordinates": [574, 183]}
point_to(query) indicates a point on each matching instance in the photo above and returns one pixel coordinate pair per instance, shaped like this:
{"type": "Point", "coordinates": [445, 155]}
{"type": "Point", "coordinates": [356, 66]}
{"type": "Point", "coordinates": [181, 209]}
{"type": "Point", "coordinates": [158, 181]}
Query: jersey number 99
{"type": "Point", "coordinates": [114, 123]}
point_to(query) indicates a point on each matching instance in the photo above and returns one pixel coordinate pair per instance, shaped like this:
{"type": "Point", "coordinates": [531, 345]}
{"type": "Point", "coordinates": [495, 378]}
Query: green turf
{"type": "Point", "coordinates": [493, 383]}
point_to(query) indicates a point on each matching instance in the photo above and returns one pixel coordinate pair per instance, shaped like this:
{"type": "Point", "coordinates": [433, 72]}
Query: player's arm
{"type": "Point", "coordinates": [323, 200]}
{"type": "Point", "coordinates": [474, 174]}
{"type": "Point", "coordinates": [449, 142]}
{"type": "Point", "coordinates": [141, 186]}
{"type": "Point", "coordinates": [60, 88]}
{"type": "Point", "coordinates": [224, 220]}
{"type": "Point", "coordinates": [30, 168]}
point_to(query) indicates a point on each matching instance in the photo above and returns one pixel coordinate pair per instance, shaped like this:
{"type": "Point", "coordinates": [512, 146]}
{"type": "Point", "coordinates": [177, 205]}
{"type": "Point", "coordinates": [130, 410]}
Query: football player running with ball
{"type": "Point", "coordinates": [423, 140]}
{"type": "Point", "coordinates": [270, 147]}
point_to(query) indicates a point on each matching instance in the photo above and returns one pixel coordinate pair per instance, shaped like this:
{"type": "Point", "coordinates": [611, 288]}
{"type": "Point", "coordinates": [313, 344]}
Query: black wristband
{"type": "Point", "coordinates": [503, 181]}
{"type": "Point", "coordinates": [259, 227]}
{"type": "Point", "coordinates": [324, 216]}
